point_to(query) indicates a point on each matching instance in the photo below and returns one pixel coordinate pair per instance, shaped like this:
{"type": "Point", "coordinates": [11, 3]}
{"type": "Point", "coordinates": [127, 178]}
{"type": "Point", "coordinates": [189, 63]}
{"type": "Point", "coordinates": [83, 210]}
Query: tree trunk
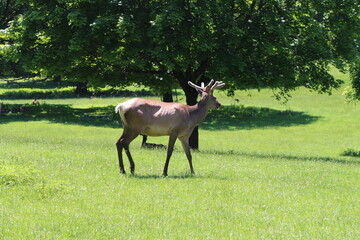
{"type": "Point", "coordinates": [191, 99]}
{"type": "Point", "coordinates": [57, 78]}
{"type": "Point", "coordinates": [191, 94]}
{"type": "Point", "coordinates": [167, 97]}
{"type": "Point", "coordinates": [81, 88]}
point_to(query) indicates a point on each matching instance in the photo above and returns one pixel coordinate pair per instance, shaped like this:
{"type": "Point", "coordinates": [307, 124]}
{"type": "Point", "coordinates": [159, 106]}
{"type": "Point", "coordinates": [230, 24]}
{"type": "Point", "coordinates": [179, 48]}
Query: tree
{"type": "Point", "coordinates": [355, 75]}
{"type": "Point", "coordinates": [352, 92]}
{"type": "Point", "coordinates": [8, 11]}
{"type": "Point", "coordinates": [280, 44]}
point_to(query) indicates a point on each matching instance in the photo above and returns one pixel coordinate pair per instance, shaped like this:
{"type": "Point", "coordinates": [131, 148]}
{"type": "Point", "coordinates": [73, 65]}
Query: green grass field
{"type": "Point", "coordinates": [264, 171]}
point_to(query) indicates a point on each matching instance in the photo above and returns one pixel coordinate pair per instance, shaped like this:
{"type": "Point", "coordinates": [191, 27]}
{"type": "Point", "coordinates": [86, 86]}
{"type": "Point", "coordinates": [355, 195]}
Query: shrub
{"type": "Point", "coordinates": [17, 175]}
{"type": "Point", "coordinates": [351, 153]}
{"type": "Point", "coordinates": [49, 188]}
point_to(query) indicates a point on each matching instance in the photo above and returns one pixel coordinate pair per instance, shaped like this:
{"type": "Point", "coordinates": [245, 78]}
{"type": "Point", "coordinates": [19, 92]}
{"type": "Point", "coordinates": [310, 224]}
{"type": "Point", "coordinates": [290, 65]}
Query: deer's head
{"type": "Point", "coordinates": [207, 93]}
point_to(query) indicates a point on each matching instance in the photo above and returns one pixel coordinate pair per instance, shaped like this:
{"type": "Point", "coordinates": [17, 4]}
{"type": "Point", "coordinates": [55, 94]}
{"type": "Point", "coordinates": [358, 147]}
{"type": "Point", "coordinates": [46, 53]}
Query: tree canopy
{"type": "Point", "coordinates": [9, 9]}
{"type": "Point", "coordinates": [281, 44]}
{"type": "Point", "coordinates": [352, 92]}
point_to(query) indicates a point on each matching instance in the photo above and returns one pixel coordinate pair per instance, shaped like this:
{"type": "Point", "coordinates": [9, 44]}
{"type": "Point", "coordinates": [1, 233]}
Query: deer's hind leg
{"type": "Point", "coordinates": [124, 141]}
{"type": "Point", "coordinates": [119, 147]}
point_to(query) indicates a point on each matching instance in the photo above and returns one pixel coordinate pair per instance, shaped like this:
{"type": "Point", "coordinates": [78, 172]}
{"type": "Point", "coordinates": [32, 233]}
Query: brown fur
{"type": "Point", "coordinates": [154, 118]}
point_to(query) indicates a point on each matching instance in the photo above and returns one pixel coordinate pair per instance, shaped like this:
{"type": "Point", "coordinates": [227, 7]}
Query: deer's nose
{"type": "Point", "coordinates": [218, 105]}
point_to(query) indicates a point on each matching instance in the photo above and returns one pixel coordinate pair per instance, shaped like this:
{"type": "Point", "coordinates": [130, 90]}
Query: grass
{"type": "Point", "coordinates": [264, 171]}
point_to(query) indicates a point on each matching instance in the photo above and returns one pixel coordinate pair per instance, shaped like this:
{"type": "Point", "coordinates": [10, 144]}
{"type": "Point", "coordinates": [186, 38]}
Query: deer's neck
{"type": "Point", "coordinates": [198, 112]}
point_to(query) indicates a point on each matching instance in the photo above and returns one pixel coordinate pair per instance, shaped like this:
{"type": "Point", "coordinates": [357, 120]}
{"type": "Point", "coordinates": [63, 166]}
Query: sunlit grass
{"type": "Point", "coordinates": [236, 193]}
{"type": "Point", "coordinates": [264, 171]}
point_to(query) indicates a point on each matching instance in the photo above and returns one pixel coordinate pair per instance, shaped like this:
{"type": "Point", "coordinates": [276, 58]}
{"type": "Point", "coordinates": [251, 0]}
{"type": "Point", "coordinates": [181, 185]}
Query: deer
{"type": "Point", "coordinates": [155, 118]}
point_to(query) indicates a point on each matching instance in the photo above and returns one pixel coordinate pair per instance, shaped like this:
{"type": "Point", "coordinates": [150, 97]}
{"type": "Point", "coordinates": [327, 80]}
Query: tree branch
{"type": "Point", "coordinates": [202, 68]}
{"type": "Point", "coordinates": [130, 70]}
{"type": "Point", "coordinates": [252, 9]}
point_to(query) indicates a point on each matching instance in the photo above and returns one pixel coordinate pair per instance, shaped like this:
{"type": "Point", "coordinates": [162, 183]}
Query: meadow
{"type": "Point", "coordinates": [265, 170]}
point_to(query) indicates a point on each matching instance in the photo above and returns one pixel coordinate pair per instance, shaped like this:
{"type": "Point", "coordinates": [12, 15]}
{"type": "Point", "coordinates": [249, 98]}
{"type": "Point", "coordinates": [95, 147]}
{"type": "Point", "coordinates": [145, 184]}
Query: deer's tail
{"type": "Point", "coordinates": [120, 108]}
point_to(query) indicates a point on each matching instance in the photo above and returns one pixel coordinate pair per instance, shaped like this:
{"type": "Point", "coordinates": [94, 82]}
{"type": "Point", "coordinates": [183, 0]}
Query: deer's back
{"type": "Point", "coordinates": [153, 118]}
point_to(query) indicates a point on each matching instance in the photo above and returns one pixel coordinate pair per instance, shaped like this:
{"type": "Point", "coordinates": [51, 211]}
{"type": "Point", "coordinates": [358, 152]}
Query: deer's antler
{"type": "Point", "coordinates": [218, 84]}
{"type": "Point", "coordinates": [208, 88]}
{"type": "Point", "coordinates": [198, 88]}
{"type": "Point", "coordinates": [210, 83]}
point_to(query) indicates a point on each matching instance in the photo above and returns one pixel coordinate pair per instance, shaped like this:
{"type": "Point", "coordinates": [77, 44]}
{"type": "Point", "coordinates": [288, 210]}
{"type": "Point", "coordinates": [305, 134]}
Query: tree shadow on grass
{"type": "Point", "coordinates": [283, 156]}
{"type": "Point", "coordinates": [226, 118]}
{"type": "Point", "coordinates": [94, 116]}
{"type": "Point", "coordinates": [241, 117]}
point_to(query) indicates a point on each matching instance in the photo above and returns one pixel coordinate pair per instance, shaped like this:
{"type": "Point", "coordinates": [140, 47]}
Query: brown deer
{"type": "Point", "coordinates": [154, 118]}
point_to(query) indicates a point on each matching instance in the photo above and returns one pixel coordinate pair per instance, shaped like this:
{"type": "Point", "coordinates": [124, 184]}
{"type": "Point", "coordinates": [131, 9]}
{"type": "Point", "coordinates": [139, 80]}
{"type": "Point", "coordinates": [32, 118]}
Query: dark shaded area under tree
{"type": "Point", "coordinates": [225, 118]}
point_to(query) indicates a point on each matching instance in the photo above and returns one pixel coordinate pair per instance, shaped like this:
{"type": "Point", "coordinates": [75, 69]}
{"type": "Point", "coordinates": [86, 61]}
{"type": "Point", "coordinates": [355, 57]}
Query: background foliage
{"type": "Point", "coordinates": [277, 44]}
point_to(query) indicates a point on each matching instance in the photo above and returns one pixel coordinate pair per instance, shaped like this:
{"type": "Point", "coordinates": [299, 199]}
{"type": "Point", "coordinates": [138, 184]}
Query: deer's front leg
{"type": "Point", "coordinates": [170, 149]}
{"type": "Point", "coordinates": [186, 147]}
